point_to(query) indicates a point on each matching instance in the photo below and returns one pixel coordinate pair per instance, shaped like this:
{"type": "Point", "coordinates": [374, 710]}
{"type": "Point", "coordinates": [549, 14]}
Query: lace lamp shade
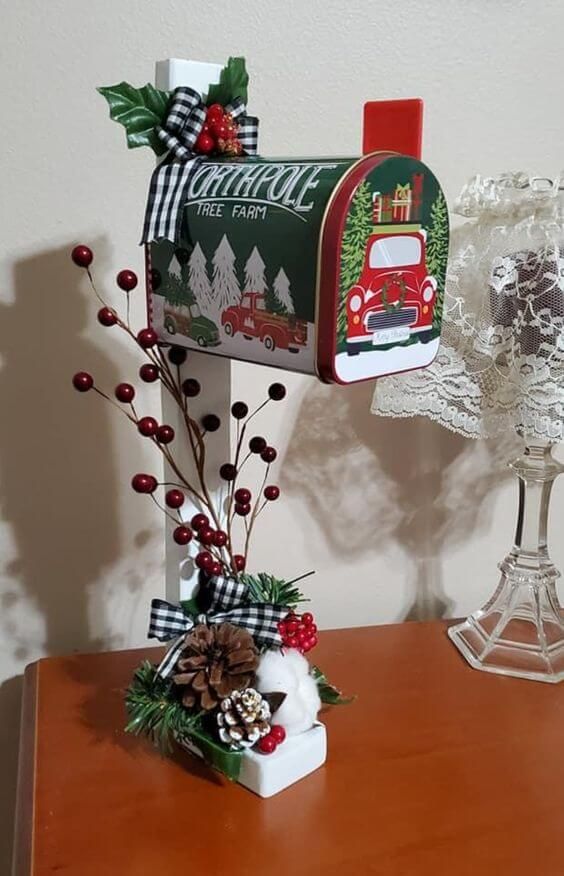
{"type": "Point", "coordinates": [501, 359]}
{"type": "Point", "coordinates": [500, 366]}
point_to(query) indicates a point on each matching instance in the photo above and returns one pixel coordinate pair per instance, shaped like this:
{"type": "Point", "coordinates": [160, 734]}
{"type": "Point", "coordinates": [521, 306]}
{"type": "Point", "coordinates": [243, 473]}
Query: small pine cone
{"type": "Point", "coordinates": [243, 718]}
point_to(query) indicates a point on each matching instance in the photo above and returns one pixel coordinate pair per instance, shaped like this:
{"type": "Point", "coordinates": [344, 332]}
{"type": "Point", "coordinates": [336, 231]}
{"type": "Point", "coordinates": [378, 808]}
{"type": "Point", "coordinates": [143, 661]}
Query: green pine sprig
{"type": "Point", "coordinates": [267, 588]}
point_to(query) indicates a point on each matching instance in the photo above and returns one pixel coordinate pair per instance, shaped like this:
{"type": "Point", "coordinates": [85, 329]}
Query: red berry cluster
{"type": "Point", "coordinates": [219, 133]}
{"type": "Point", "coordinates": [298, 631]}
{"type": "Point", "coordinates": [269, 743]}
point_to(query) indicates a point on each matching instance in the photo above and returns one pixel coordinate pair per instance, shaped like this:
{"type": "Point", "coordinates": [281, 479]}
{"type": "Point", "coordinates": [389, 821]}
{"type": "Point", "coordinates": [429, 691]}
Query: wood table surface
{"type": "Point", "coordinates": [434, 769]}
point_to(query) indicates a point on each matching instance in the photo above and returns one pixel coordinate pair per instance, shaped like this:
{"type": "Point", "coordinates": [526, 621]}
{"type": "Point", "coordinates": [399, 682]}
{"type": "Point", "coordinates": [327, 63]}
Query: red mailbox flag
{"type": "Point", "coordinates": [393, 125]}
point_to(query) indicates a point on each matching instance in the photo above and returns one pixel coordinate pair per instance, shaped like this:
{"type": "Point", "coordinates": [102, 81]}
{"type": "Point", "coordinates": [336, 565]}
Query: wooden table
{"type": "Point", "coordinates": [435, 769]}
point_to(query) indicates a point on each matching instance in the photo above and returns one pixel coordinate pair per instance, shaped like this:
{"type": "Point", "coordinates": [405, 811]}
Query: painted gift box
{"type": "Point", "coordinates": [330, 266]}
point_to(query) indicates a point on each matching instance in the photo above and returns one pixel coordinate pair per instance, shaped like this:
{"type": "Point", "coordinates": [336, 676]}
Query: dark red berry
{"type": "Point", "coordinates": [271, 493]}
{"type": "Point", "coordinates": [149, 373]}
{"type": "Point", "coordinates": [268, 455]}
{"type": "Point", "coordinates": [144, 483]}
{"type": "Point", "coordinates": [243, 496]}
{"type": "Point", "coordinates": [267, 744]}
{"type": "Point", "coordinates": [191, 388]}
{"type": "Point", "coordinates": [206, 534]}
{"type": "Point", "coordinates": [204, 560]}
{"type": "Point", "coordinates": [126, 280]}
{"type": "Point", "coordinates": [177, 355]}
{"type": "Point", "coordinates": [278, 733]}
{"type": "Point", "coordinates": [82, 256]}
{"type": "Point", "coordinates": [211, 422]}
{"type": "Point", "coordinates": [147, 338]}
{"type": "Point", "coordinates": [307, 618]}
{"type": "Point", "coordinates": [239, 410]}
{"type": "Point", "coordinates": [107, 317]}
{"type": "Point", "coordinates": [147, 426]}
{"type": "Point", "coordinates": [124, 392]}
{"type": "Point", "coordinates": [242, 510]}
{"type": "Point", "coordinates": [83, 381]}
{"type": "Point", "coordinates": [174, 498]}
{"type": "Point", "coordinates": [240, 562]}
{"type": "Point", "coordinates": [165, 434]}
{"type": "Point", "coordinates": [219, 538]}
{"type": "Point", "coordinates": [182, 535]}
{"type": "Point", "coordinates": [199, 521]}
{"type": "Point", "coordinates": [257, 444]}
{"type": "Point", "coordinates": [276, 391]}
{"type": "Point", "coordinates": [228, 471]}
{"type": "Point", "coordinates": [216, 568]}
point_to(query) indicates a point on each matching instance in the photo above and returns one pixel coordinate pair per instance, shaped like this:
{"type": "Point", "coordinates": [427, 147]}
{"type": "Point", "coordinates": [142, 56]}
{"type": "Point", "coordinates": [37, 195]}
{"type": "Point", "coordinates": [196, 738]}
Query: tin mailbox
{"type": "Point", "coordinates": [333, 267]}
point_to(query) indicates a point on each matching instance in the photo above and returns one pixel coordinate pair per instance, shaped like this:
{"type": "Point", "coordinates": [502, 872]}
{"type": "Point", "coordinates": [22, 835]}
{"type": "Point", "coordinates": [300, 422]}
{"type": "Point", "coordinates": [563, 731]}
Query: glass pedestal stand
{"type": "Point", "coordinates": [520, 631]}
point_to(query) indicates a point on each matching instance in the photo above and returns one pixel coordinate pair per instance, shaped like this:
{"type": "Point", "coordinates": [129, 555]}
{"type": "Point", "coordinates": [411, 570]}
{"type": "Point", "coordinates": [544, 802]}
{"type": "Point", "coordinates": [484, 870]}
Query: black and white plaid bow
{"type": "Point", "coordinates": [169, 183]}
{"type": "Point", "coordinates": [229, 604]}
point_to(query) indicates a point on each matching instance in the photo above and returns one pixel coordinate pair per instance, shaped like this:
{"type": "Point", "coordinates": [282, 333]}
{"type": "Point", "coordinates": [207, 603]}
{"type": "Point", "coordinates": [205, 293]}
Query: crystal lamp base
{"type": "Point", "coordinates": [520, 631]}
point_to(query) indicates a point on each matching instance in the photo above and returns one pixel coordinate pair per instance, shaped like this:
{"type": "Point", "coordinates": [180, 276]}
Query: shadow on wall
{"type": "Point", "coordinates": [57, 481]}
{"type": "Point", "coordinates": [420, 484]}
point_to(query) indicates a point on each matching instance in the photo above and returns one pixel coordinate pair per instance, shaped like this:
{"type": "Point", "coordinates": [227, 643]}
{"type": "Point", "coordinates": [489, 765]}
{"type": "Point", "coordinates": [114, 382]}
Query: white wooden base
{"type": "Point", "coordinates": [297, 757]}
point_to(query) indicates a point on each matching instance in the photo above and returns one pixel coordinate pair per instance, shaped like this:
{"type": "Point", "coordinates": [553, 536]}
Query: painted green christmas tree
{"type": "Point", "coordinates": [437, 253]}
{"type": "Point", "coordinates": [357, 231]}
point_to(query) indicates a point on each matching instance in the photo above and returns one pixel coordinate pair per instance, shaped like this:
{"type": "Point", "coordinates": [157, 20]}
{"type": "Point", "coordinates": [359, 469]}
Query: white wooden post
{"type": "Point", "coordinates": [213, 373]}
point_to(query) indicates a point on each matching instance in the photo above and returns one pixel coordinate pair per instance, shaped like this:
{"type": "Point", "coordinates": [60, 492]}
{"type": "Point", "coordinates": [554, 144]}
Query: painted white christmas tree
{"type": "Point", "coordinates": [255, 280]}
{"type": "Point", "coordinates": [281, 289]}
{"type": "Point", "coordinates": [198, 281]}
{"type": "Point", "coordinates": [225, 285]}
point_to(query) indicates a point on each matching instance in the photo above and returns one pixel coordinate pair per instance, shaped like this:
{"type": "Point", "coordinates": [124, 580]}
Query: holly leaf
{"type": "Point", "coordinates": [190, 607]}
{"type": "Point", "coordinates": [233, 82]}
{"type": "Point", "coordinates": [139, 110]}
{"type": "Point", "coordinates": [328, 693]}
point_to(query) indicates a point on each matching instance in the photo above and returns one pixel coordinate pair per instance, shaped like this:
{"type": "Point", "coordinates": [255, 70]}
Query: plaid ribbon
{"type": "Point", "coordinates": [228, 605]}
{"type": "Point", "coordinates": [169, 182]}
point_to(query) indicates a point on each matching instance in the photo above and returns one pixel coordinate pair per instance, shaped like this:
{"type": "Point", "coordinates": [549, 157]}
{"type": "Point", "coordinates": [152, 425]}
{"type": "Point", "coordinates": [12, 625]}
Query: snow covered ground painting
{"type": "Point", "coordinates": [375, 363]}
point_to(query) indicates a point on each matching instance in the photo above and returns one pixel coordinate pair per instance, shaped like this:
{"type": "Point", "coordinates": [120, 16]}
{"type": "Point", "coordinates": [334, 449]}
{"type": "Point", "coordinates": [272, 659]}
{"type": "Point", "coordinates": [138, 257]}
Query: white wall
{"type": "Point", "coordinates": [398, 518]}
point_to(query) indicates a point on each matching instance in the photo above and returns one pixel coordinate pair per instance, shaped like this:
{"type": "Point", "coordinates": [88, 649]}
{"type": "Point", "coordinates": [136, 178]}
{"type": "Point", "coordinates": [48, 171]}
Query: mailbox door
{"type": "Point", "coordinates": [382, 265]}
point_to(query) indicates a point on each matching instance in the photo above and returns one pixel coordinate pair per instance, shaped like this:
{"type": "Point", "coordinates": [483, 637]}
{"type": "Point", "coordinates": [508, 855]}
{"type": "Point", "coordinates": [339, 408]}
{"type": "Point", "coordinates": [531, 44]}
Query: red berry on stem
{"type": "Point", "coordinates": [243, 496]}
{"type": "Point", "coordinates": [147, 338]}
{"type": "Point", "coordinates": [240, 562]}
{"type": "Point", "coordinates": [216, 568]}
{"type": "Point", "coordinates": [242, 510]}
{"type": "Point", "coordinates": [278, 733]}
{"type": "Point", "coordinates": [271, 493]}
{"type": "Point", "coordinates": [267, 744]}
{"type": "Point", "coordinates": [276, 391]}
{"type": "Point", "coordinates": [268, 455]}
{"type": "Point", "coordinates": [82, 256]}
{"type": "Point", "coordinates": [204, 144]}
{"type": "Point", "coordinates": [144, 483]}
{"type": "Point", "coordinates": [174, 498]}
{"type": "Point", "coordinates": [219, 538]}
{"type": "Point", "coordinates": [83, 381]}
{"type": "Point", "coordinates": [182, 535]}
{"type": "Point", "coordinates": [107, 317]}
{"type": "Point", "coordinates": [292, 627]}
{"type": "Point", "coordinates": [307, 618]}
{"type": "Point", "coordinates": [199, 521]}
{"type": "Point", "coordinates": [204, 561]}
{"type": "Point", "coordinates": [228, 471]}
{"type": "Point", "coordinates": [257, 444]}
{"type": "Point", "coordinates": [127, 280]}
{"type": "Point", "coordinates": [147, 426]}
{"type": "Point", "coordinates": [124, 392]}
{"type": "Point", "coordinates": [165, 434]}
{"type": "Point", "coordinates": [177, 355]}
{"type": "Point", "coordinates": [191, 388]}
{"type": "Point", "coordinates": [206, 534]}
{"type": "Point", "coordinates": [149, 373]}
{"type": "Point", "coordinates": [239, 410]}
{"type": "Point", "coordinates": [211, 422]}
{"type": "Point", "coordinates": [213, 112]}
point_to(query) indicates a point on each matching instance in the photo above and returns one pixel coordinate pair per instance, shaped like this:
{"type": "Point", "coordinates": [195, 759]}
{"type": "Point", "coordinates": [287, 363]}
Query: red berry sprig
{"type": "Point", "coordinates": [269, 743]}
{"type": "Point", "coordinates": [219, 135]}
{"type": "Point", "coordinates": [298, 631]}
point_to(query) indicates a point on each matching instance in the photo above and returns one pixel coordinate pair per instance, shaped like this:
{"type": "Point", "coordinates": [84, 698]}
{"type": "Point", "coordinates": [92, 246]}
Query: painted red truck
{"type": "Point", "coordinates": [253, 320]}
{"type": "Point", "coordinates": [395, 295]}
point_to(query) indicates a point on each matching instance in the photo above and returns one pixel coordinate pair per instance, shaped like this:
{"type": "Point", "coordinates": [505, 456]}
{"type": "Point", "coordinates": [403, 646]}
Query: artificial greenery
{"type": "Point", "coordinates": [233, 82]}
{"type": "Point", "coordinates": [328, 693]}
{"type": "Point", "coordinates": [267, 588]}
{"type": "Point", "coordinates": [139, 110]}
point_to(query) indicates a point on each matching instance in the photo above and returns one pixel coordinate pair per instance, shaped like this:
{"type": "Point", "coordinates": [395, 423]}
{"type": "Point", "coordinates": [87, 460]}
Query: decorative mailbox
{"type": "Point", "coordinates": [330, 266]}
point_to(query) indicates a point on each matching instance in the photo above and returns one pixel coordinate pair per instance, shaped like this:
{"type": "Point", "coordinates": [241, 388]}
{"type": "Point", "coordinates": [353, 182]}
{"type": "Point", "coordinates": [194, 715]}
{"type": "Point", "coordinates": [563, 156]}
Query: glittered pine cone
{"type": "Point", "coordinates": [215, 661]}
{"type": "Point", "coordinates": [243, 719]}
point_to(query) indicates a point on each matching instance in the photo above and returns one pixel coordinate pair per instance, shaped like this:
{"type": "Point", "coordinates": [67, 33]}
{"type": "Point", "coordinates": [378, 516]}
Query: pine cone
{"type": "Point", "coordinates": [243, 718]}
{"type": "Point", "coordinates": [215, 661]}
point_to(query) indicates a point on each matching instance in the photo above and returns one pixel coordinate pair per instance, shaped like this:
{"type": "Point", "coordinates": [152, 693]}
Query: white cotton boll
{"type": "Point", "coordinates": [289, 672]}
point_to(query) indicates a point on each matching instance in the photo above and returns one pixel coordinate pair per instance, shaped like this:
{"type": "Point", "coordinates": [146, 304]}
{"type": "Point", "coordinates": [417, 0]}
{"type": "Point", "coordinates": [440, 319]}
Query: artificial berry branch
{"type": "Point", "coordinates": [216, 552]}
